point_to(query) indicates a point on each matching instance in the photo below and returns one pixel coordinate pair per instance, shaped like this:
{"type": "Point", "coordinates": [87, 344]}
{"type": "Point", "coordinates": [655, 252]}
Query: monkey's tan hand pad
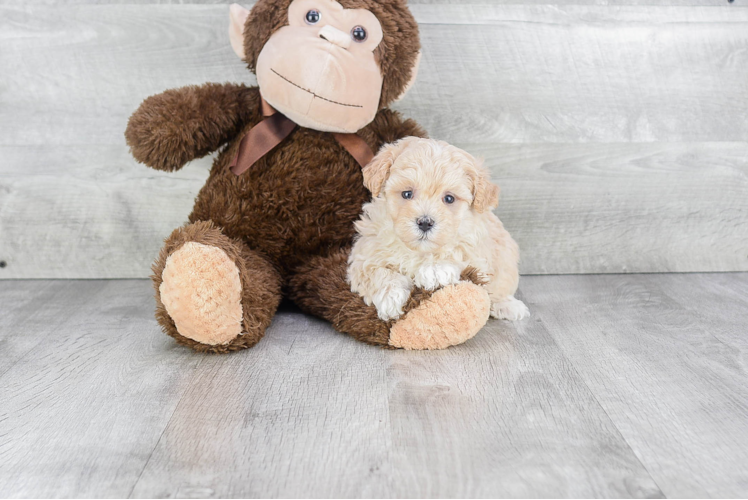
{"type": "Point", "coordinates": [451, 316]}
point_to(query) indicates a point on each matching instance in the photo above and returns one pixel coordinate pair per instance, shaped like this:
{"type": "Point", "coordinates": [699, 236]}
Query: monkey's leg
{"type": "Point", "coordinates": [213, 293]}
{"type": "Point", "coordinates": [432, 320]}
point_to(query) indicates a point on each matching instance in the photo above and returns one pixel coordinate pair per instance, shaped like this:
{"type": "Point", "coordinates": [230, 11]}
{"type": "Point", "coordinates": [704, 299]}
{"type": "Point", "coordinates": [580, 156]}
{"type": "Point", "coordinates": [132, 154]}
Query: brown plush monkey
{"type": "Point", "coordinates": [283, 226]}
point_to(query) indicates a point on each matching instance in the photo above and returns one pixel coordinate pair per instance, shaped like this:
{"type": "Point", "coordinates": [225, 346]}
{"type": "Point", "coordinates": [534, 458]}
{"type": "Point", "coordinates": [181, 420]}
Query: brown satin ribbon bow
{"type": "Point", "coordinates": [275, 127]}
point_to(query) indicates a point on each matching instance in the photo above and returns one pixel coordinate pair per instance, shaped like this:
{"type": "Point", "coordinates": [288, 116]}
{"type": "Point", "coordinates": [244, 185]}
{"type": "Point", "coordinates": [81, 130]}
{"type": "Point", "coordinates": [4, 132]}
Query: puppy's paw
{"type": "Point", "coordinates": [433, 276]}
{"type": "Point", "coordinates": [511, 309]}
{"type": "Point", "coordinates": [391, 298]}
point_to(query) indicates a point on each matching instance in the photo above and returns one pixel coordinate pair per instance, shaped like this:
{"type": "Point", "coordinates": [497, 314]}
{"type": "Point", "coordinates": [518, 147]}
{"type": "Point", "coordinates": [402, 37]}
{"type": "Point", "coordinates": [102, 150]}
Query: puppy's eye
{"type": "Point", "coordinates": [313, 16]}
{"type": "Point", "coordinates": [358, 33]}
{"type": "Point", "coordinates": [449, 199]}
{"type": "Point", "coordinates": [407, 194]}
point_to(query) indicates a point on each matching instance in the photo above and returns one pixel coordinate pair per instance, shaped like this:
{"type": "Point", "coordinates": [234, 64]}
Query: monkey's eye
{"type": "Point", "coordinates": [358, 33]}
{"type": "Point", "coordinates": [407, 194]}
{"type": "Point", "coordinates": [313, 16]}
{"type": "Point", "coordinates": [449, 199]}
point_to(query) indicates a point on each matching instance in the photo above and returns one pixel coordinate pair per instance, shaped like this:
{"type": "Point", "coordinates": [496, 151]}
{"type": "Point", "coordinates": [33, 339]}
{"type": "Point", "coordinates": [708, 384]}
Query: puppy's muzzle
{"type": "Point", "coordinates": [425, 223]}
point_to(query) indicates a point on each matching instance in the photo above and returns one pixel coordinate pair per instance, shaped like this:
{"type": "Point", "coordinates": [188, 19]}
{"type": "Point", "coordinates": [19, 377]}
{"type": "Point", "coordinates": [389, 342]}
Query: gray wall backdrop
{"type": "Point", "coordinates": [617, 130]}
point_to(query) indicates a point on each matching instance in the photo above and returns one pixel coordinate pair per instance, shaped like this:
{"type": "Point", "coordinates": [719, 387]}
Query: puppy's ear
{"type": "Point", "coordinates": [485, 192]}
{"type": "Point", "coordinates": [378, 169]}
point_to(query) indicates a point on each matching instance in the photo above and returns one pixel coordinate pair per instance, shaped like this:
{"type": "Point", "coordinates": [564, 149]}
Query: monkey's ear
{"type": "Point", "coordinates": [378, 169]}
{"type": "Point", "coordinates": [413, 75]}
{"type": "Point", "coordinates": [237, 18]}
{"type": "Point", "coordinates": [485, 192]}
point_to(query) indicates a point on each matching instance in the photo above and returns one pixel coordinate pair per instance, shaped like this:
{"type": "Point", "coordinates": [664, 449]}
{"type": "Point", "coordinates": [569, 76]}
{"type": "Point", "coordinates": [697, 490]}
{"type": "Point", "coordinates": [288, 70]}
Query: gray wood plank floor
{"type": "Point", "coordinates": [617, 386]}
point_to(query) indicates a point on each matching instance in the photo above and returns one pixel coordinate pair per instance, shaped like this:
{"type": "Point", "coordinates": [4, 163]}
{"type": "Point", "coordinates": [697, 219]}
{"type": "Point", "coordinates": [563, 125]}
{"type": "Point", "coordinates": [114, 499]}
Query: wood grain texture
{"type": "Point", "coordinates": [665, 356]}
{"type": "Point", "coordinates": [490, 73]}
{"type": "Point", "coordinates": [581, 74]}
{"type": "Point", "coordinates": [616, 132]}
{"type": "Point", "coordinates": [91, 211]}
{"type": "Point", "coordinates": [312, 413]}
{"type": "Point", "coordinates": [582, 208]}
{"type": "Point", "coordinates": [31, 310]}
{"type": "Point", "coordinates": [84, 407]}
{"type": "Point", "coordinates": [504, 416]}
{"type": "Point", "coordinates": [617, 386]}
{"type": "Point", "coordinates": [611, 208]}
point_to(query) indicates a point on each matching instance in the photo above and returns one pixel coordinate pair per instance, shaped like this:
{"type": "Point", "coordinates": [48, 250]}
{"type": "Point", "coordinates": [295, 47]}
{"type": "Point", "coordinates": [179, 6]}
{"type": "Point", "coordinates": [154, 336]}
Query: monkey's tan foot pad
{"type": "Point", "coordinates": [201, 291]}
{"type": "Point", "coordinates": [451, 316]}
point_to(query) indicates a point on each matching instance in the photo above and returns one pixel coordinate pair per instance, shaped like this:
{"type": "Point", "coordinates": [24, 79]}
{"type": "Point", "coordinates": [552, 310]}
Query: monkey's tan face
{"type": "Point", "coordinates": [320, 70]}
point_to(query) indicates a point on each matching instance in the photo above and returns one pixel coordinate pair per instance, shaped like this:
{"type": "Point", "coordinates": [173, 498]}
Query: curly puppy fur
{"type": "Point", "coordinates": [430, 220]}
{"type": "Point", "coordinates": [320, 288]}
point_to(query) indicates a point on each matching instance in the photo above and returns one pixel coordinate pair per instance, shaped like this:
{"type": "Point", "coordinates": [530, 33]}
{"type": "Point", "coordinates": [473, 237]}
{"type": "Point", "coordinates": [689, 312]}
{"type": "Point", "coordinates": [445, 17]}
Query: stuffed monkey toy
{"type": "Point", "coordinates": [275, 217]}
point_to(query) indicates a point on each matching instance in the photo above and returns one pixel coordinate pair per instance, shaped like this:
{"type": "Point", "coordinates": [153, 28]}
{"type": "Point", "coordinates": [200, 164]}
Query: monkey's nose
{"type": "Point", "coordinates": [425, 223]}
{"type": "Point", "coordinates": [335, 36]}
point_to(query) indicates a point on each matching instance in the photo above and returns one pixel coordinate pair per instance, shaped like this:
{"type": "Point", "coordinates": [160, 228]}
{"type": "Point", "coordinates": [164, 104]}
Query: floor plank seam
{"type": "Point", "coordinates": [71, 312]}
{"type": "Point", "coordinates": [599, 405]}
{"type": "Point", "coordinates": [618, 387]}
{"type": "Point", "coordinates": [163, 431]}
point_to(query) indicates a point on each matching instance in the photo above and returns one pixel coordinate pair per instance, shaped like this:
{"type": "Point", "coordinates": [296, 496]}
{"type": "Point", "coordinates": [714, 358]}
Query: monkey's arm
{"type": "Point", "coordinates": [174, 127]}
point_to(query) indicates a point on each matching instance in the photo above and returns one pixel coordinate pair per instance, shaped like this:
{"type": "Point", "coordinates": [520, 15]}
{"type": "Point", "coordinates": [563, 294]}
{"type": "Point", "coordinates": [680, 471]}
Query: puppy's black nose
{"type": "Point", "coordinates": [425, 223]}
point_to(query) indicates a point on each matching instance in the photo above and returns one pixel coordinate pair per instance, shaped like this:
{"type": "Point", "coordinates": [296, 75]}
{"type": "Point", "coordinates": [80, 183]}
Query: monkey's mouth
{"type": "Point", "coordinates": [315, 95]}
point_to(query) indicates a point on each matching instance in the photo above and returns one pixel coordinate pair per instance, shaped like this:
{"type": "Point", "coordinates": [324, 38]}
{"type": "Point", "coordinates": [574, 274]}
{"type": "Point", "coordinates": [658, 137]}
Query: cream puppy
{"type": "Point", "coordinates": [429, 219]}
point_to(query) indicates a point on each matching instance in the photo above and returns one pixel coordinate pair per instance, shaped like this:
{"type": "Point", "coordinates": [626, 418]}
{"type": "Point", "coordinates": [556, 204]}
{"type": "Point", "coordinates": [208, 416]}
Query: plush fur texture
{"type": "Point", "coordinates": [287, 223]}
{"type": "Point", "coordinates": [175, 127]}
{"type": "Point", "coordinates": [430, 320]}
{"type": "Point", "coordinates": [426, 180]}
{"type": "Point", "coordinates": [261, 286]}
{"type": "Point", "coordinates": [434, 324]}
{"type": "Point", "coordinates": [202, 292]}
{"type": "Point", "coordinates": [301, 199]}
